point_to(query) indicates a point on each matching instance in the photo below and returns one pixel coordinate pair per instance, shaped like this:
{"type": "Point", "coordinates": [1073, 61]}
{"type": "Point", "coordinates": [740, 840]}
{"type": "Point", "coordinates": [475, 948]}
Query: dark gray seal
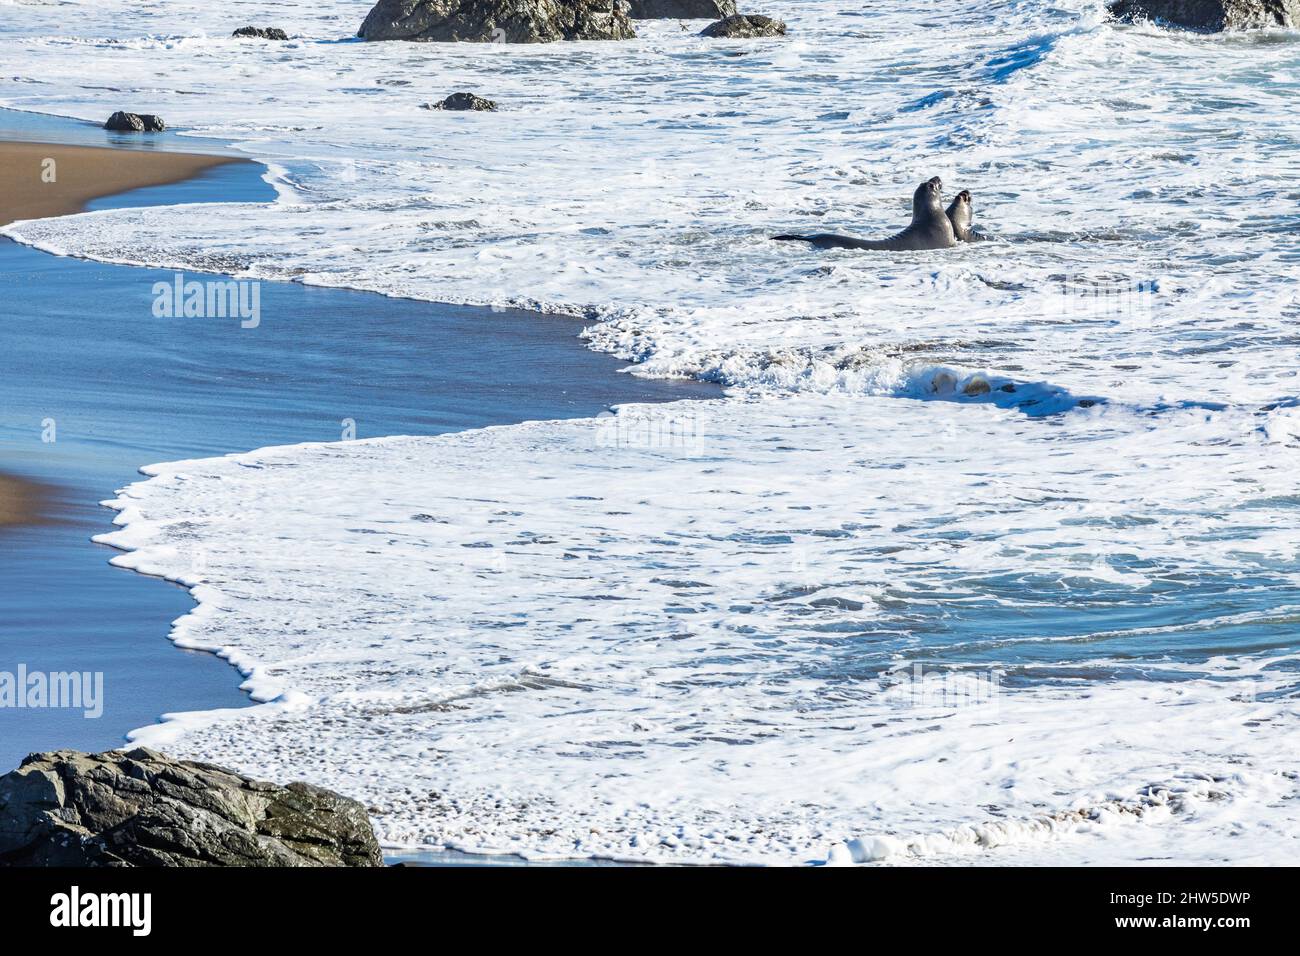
{"type": "Point", "coordinates": [930, 227]}
{"type": "Point", "coordinates": [961, 214]}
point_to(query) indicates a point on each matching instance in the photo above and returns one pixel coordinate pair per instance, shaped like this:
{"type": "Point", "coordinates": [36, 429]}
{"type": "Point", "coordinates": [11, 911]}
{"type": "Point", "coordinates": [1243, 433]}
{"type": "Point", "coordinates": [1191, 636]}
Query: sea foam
{"type": "Point", "coordinates": [557, 639]}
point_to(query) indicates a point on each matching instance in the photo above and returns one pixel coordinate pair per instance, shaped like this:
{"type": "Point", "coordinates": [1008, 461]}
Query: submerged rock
{"type": "Point", "coordinates": [745, 27]}
{"type": "Point", "coordinates": [262, 33]}
{"type": "Point", "coordinates": [462, 102]}
{"type": "Point", "coordinates": [140, 808]}
{"type": "Point", "coordinates": [135, 123]}
{"type": "Point", "coordinates": [498, 21]}
{"type": "Point", "coordinates": [682, 9]}
{"type": "Point", "coordinates": [1211, 16]}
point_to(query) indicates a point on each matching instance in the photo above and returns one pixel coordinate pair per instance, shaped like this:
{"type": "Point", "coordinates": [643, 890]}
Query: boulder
{"type": "Point", "coordinates": [261, 33]}
{"type": "Point", "coordinates": [140, 808]}
{"type": "Point", "coordinates": [498, 21]}
{"type": "Point", "coordinates": [682, 9]}
{"type": "Point", "coordinates": [464, 101]}
{"type": "Point", "coordinates": [135, 123]}
{"type": "Point", "coordinates": [1211, 16]}
{"type": "Point", "coordinates": [744, 27]}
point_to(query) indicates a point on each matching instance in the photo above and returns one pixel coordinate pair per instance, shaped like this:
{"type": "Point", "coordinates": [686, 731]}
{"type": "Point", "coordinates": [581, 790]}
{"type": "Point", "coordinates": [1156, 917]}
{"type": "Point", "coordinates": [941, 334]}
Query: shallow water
{"type": "Point", "coordinates": [1065, 458]}
{"type": "Point", "coordinates": [83, 351]}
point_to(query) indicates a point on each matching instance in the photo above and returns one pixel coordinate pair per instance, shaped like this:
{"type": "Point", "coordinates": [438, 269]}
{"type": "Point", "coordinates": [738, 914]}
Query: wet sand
{"type": "Point", "coordinates": [21, 502]}
{"type": "Point", "coordinates": [38, 180]}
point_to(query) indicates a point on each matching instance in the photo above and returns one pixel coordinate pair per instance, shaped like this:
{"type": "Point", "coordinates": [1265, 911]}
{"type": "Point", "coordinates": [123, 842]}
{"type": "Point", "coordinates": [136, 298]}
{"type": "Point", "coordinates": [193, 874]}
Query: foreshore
{"type": "Point", "coordinates": [38, 180]}
{"type": "Point", "coordinates": [21, 502]}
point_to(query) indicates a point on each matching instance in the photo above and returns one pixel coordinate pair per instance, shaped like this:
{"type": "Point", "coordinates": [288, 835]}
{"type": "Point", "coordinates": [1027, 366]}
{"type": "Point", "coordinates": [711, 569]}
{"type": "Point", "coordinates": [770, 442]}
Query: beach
{"type": "Point", "coordinates": [976, 554]}
{"type": "Point", "coordinates": [50, 179]}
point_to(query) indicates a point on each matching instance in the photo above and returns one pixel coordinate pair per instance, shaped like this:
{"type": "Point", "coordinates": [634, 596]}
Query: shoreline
{"type": "Point", "coordinates": [40, 180]}
{"type": "Point", "coordinates": [152, 405]}
{"type": "Point", "coordinates": [44, 180]}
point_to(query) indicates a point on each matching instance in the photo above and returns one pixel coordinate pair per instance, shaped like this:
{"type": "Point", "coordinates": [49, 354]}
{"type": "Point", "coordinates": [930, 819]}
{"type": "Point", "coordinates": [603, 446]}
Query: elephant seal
{"type": "Point", "coordinates": [930, 228]}
{"type": "Point", "coordinates": [961, 213]}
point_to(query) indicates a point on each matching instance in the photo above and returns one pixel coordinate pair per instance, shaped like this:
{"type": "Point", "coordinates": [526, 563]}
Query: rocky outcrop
{"type": "Point", "coordinates": [1211, 16]}
{"type": "Point", "coordinates": [744, 27]}
{"type": "Point", "coordinates": [462, 102]}
{"type": "Point", "coordinates": [262, 33]}
{"type": "Point", "coordinates": [498, 21]}
{"type": "Point", "coordinates": [682, 9]}
{"type": "Point", "coordinates": [140, 808]}
{"type": "Point", "coordinates": [135, 123]}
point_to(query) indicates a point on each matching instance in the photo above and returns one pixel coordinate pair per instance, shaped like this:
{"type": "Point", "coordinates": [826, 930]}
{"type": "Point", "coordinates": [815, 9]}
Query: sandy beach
{"type": "Point", "coordinates": [46, 179]}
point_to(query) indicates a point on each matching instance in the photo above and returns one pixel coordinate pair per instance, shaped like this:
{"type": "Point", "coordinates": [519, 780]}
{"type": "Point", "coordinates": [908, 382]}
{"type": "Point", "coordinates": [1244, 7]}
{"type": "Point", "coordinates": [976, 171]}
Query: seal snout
{"type": "Point", "coordinates": [935, 183]}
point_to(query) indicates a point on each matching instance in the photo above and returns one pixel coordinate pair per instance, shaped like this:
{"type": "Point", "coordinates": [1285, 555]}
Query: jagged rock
{"type": "Point", "coordinates": [498, 21]}
{"type": "Point", "coordinates": [261, 33]}
{"type": "Point", "coordinates": [135, 123]}
{"type": "Point", "coordinates": [464, 101]}
{"type": "Point", "coordinates": [682, 9]}
{"type": "Point", "coordinates": [1211, 16]}
{"type": "Point", "coordinates": [141, 808]}
{"type": "Point", "coordinates": [745, 27]}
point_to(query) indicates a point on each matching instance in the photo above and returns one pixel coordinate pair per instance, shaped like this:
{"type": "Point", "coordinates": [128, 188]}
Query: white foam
{"type": "Point", "coordinates": [644, 636]}
{"type": "Point", "coordinates": [638, 182]}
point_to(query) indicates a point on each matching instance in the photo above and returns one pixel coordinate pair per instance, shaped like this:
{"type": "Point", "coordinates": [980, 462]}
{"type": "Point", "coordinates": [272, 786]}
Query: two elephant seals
{"type": "Point", "coordinates": [931, 228]}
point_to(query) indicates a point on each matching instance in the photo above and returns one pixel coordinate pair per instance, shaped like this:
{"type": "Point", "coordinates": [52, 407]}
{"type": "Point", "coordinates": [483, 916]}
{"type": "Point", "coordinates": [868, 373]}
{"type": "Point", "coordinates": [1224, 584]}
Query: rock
{"type": "Point", "coordinates": [135, 123]}
{"type": "Point", "coordinates": [464, 101]}
{"type": "Point", "coordinates": [745, 27]}
{"type": "Point", "coordinates": [261, 33]}
{"type": "Point", "coordinates": [140, 808]}
{"type": "Point", "coordinates": [682, 9]}
{"type": "Point", "coordinates": [1211, 16]}
{"type": "Point", "coordinates": [498, 21]}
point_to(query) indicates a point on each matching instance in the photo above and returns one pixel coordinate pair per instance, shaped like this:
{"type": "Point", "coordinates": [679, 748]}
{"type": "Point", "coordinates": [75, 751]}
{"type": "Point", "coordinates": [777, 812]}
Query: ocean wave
{"type": "Point", "coordinates": [531, 659]}
{"type": "Point", "coordinates": [605, 212]}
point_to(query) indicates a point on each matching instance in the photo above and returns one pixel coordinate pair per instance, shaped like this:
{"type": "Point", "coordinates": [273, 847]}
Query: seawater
{"type": "Point", "coordinates": [96, 385]}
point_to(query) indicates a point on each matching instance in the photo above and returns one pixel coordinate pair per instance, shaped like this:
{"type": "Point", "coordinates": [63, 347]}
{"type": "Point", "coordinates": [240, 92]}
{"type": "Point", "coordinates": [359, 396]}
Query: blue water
{"type": "Point", "coordinates": [82, 347]}
{"type": "Point", "coordinates": [45, 128]}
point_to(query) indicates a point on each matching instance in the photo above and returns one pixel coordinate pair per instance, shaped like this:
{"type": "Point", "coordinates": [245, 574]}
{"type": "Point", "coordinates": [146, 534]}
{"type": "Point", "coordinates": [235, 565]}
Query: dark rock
{"type": "Point", "coordinates": [135, 123]}
{"type": "Point", "coordinates": [1211, 16]}
{"type": "Point", "coordinates": [498, 21]}
{"type": "Point", "coordinates": [464, 101]}
{"type": "Point", "coordinates": [682, 9]}
{"type": "Point", "coordinates": [261, 33]}
{"type": "Point", "coordinates": [745, 28]}
{"type": "Point", "coordinates": [141, 808]}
